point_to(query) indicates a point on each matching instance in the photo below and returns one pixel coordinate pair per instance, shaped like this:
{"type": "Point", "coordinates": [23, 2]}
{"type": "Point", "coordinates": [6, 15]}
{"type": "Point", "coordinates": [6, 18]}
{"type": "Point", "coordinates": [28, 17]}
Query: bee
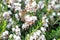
{"type": "Point", "coordinates": [22, 14]}
{"type": "Point", "coordinates": [7, 1]}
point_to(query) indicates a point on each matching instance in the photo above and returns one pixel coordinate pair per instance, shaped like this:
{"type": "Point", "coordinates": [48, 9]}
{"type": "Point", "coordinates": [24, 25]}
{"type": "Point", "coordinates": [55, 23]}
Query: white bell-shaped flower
{"type": "Point", "coordinates": [6, 32]}
{"type": "Point", "coordinates": [17, 17]}
{"type": "Point", "coordinates": [34, 3]}
{"type": "Point", "coordinates": [17, 38]}
{"type": "Point", "coordinates": [11, 35]}
{"type": "Point", "coordinates": [13, 29]}
{"type": "Point", "coordinates": [43, 29]}
{"type": "Point", "coordinates": [58, 13]}
{"type": "Point", "coordinates": [31, 37]}
{"type": "Point", "coordinates": [54, 39]}
{"type": "Point", "coordinates": [54, 14]}
{"type": "Point", "coordinates": [27, 2]}
{"type": "Point", "coordinates": [43, 37]}
{"type": "Point", "coordinates": [41, 5]}
{"type": "Point", "coordinates": [25, 25]}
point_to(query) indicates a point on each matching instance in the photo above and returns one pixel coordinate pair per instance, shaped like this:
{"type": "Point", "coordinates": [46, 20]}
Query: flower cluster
{"type": "Point", "coordinates": [17, 14]}
{"type": "Point", "coordinates": [31, 6]}
{"type": "Point", "coordinates": [38, 35]}
{"type": "Point", "coordinates": [29, 20]}
{"type": "Point", "coordinates": [15, 35]}
{"type": "Point", "coordinates": [5, 35]}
